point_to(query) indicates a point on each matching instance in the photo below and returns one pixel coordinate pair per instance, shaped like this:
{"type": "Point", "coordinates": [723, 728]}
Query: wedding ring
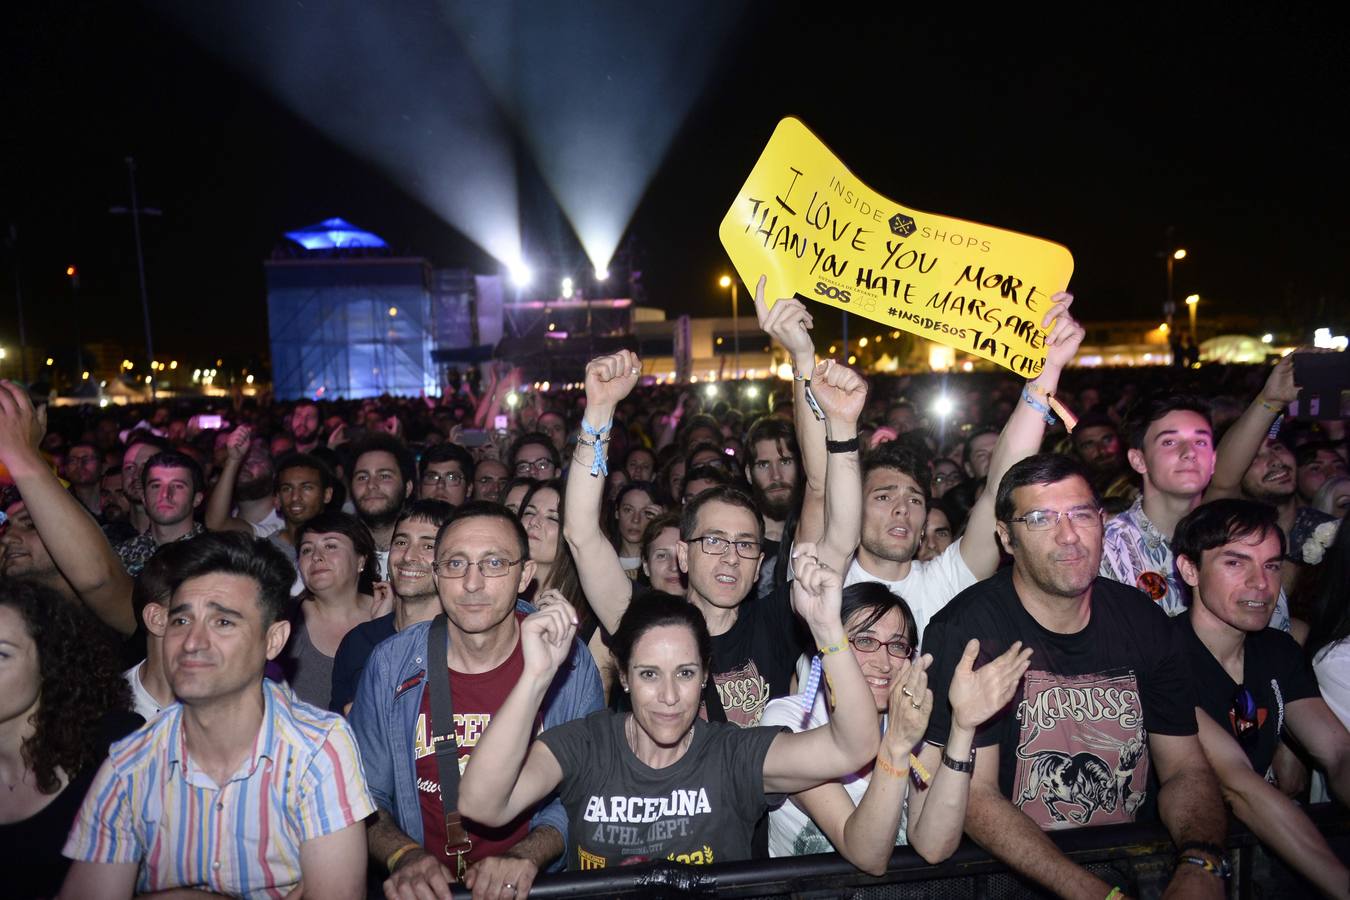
{"type": "Point", "coordinates": [511, 887]}
{"type": "Point", "coordinates": [916, 705]}
{"type": "Point", "coordinates": [907, 692]}
{"type": "Point", "coordinates": [634, 370]}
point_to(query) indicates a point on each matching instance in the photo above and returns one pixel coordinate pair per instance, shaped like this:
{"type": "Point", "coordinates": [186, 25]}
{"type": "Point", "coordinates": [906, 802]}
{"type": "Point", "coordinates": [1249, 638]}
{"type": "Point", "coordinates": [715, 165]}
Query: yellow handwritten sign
{"type": "Point", "coordinates": [818, 233]}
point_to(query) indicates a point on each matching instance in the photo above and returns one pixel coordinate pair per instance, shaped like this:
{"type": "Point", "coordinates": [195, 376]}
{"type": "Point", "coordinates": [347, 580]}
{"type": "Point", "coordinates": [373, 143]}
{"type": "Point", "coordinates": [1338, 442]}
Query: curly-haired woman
{"type": "Point", "coordinates": [63, 700]}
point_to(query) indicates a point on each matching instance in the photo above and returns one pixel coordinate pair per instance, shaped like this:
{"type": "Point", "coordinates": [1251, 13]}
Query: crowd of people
{"type": "Point", "coordinates": [332, 649]}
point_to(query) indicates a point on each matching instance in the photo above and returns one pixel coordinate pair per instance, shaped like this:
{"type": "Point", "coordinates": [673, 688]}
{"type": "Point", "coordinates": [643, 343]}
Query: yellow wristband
{"type": "Point", "coordinates": [833, 648]}
{"type": "Point", "coordinates": [398, 855]}
{"type": "Point", "coordinates": [1115, 892]}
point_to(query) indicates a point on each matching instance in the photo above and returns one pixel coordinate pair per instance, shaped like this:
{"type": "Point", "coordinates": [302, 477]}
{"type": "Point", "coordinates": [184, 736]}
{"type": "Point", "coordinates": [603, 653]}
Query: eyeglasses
{"type": "Point", "coordinates": [1084, 517]}
{"type": "Point", "coordinates": [491, 479]}
{"type": "Point", "coordinates": [898, 648]}
{"type": "Point", "coordinates": [949, 478]}
{"type": "Point", "coordinates": [717, 546]}
{"type": "Point", "coordinates": [1243, 714]}
{"type": "Point", "coordinates": [491, 567]}
{"type": "Point", "coordinates": [435, 478]}
{"type": "Point", "coordinates": [524, 467]}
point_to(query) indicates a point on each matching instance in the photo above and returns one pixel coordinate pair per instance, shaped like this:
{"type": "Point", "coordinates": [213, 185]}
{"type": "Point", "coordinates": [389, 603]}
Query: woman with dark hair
{"type": "Point", "coordinates": [555, 572]}
{"type": "Point", "coordinates": [513, 493]}
{"type": "Point", "coordinates": [336, 557]}
{"type": "Point", "coordinates": [863, 815]}
{"type": "Point", "coordinates": [634, 506]}
{"type": "Point", "coordinates": [660, 562]}
{"type": "Point", "coordinates": [699, 787]}
{"type": "Point", "coordinates": [63, 700]}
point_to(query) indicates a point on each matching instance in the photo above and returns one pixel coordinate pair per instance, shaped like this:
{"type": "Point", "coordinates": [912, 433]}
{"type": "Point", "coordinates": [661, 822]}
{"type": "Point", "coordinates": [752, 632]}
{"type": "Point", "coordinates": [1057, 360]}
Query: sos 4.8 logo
{"type": "Point", "coordinates": [834, 293]}
{"type": "Point", "coordinates": [829, 291]}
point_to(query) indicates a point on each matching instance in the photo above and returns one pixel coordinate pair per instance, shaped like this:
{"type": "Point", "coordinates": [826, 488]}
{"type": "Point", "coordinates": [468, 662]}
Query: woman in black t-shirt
{"type": "Point", "coordinates": [63, 700]}
{"type": "Point", "coordinates": [659, 782]}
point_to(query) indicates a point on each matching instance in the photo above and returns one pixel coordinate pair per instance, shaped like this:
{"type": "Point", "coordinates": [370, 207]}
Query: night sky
{"type": "Point", "coordinates": [1095, 132]}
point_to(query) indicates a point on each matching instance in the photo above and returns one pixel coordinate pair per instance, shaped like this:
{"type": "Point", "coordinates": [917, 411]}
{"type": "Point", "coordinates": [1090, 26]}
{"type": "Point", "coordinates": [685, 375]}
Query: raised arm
{"type": "Point", "coordinates": [789, 323]}
{"type": "Point", "coordinates": [841, 394]}
{"type": "Point", "coordinates": [72, 537]}
{"type": "Point", "coordinates": [608, 589]}
{"type": "Point", "coordinates": [937, 815]}
{"type": "Point", "coordinates": [221, 504]}
{"type": "Point", "coordinates": [799, 761]}
{"type": "Point", "coordinates": [1244, 437]}
{"type": "Point", "coordinates": [1022, 435]}
{"type": "Point", "coordinates": [1274, 818]}
{"type": "Point", "coordinates": [501, 780]}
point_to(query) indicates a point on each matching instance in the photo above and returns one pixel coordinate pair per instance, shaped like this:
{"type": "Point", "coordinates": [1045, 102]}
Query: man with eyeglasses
{"type": "Point", "coordinates": [533, 455]}
{"type": "Point", "coordinates": [481, 564]}
{"type": "Point", "coordinates": [721, 546]}
{"type": "Point", "coordinates": [445, 473]}
{"type": "Point", "coordinates": [1253, 683]}
{"type": "Point", "coordinates": [1107, 697]}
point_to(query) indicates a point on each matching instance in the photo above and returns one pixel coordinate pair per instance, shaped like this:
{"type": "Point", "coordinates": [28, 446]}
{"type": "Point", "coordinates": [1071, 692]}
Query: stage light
{"type": "Point", "coordinates": [84, 375]}
{"type": "Point", "coordinates": [512, 399]}
{"type": "Point", "coordinates": [50, 361]}
{"type": "Point", "coordinates": [1179, 254]}
{"type": "Point", "coordinates": [725, 281]}
{"type": "Point", "coordinates": [70, 271]}
{"type": "Point", "coordinates": [521, 275]}
{"type": "Point", "coordinates": [710, 390]}
{"type": "Point", "coordinates": [567, 288]}
{"type": "Point", "coordinates": [862, 342]}
{"type": "Point", "coordinates": [602, 274]}
{"type": "Point", "coordinates": [852, 360]}
{"type": "Point", "coordinates": [942, 406]}
{"type": "Point", "coordinates": [391, 88]}
{"type": "Point", "coordinates": [1267, 338]}
{"type": "Point", "coordinates": [393, 311]}
{"type": "Point", "coordinates": [752, 392]}
{"type": "Point", "coordinates": [544, 387]}
{"type": "Point", "coordinates": [784, 371]}
{"type": "Point", "coordinates": [248, 380]}
{"type": "Point", "coordinates": [173, 364]}
{"type": "Point", "coordinates": [833, 348]}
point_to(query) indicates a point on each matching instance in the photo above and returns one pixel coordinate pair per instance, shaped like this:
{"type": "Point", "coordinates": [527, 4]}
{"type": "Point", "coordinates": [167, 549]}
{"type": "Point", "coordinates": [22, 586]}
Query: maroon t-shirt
{"type": "Point", "coordinates": [475, 698]}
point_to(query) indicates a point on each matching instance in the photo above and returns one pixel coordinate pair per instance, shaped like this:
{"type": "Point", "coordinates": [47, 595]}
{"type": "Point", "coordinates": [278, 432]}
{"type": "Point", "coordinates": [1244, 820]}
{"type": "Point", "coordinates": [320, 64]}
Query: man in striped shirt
{"type": "Point", "coordinates": [240, 789]}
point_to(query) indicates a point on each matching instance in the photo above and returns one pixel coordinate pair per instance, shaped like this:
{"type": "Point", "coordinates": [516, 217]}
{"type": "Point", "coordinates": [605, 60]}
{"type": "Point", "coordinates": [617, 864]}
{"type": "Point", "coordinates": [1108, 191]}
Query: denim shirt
{"type": "Point", "coordinates": [389, 698]}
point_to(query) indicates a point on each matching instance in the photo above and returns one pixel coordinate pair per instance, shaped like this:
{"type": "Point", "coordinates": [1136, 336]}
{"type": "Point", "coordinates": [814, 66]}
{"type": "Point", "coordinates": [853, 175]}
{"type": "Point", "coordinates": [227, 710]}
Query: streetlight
{"type": "Point", "coordinates": [1172, 257]}
{"type": "Point", "coordinates": [727, 281]}
{"type": "Point", "coordinates": [1192, 301]}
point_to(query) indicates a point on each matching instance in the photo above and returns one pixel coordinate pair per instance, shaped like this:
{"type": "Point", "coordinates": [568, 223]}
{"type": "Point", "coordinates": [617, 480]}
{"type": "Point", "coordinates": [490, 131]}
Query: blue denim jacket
{"type": "Point", "coordinates": [389, 698]}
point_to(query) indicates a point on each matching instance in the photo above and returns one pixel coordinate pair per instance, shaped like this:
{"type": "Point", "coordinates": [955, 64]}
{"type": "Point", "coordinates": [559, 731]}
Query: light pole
{"type": "Point", "coordinates": [135, 212]}
{"type": "Point", "coordinates": [1170, 308]}
{"type": "Point", "coordinates": [1193, 301]}
{"type": "Point", "coordinates": [734, 284]}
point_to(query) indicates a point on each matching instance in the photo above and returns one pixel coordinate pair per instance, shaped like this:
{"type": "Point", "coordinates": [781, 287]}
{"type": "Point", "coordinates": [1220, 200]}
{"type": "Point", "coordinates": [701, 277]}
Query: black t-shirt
{"type": "Point", "coordinates": [30, 849]}
{"type": "Point", "coordinates": [753, 662]}
{"type": "Point", "coordinates": [1073, 743]}
{"type": "Point", "coordinates": [1274, 672]}
{"type": "Point", "coordinates": [700, 810]}
{"type": "Point", "coordinates": [351, 658]}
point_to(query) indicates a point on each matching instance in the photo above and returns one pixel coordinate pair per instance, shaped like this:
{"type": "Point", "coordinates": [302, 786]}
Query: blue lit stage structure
{"type": "Point", "coordinates": [349, 319]}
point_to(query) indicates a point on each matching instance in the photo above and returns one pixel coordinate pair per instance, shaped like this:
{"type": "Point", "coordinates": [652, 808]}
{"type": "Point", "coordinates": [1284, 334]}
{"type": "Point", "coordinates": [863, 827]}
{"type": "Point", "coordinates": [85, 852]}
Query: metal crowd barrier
{"type": "Point", "coordinates": [1137, 857]}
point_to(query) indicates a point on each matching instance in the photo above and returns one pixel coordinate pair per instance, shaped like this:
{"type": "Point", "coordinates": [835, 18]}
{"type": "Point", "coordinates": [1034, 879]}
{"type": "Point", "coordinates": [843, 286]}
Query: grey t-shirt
{"type": "Point", "coordinates": [309, 672]}
{"type": "Point", "coordinates": [701, 810]}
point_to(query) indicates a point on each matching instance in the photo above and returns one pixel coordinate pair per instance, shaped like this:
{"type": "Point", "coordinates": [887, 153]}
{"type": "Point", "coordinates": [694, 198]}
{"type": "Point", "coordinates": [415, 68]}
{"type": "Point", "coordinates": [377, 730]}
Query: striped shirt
{"type": "Point", "coordinates": [151, 805]}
